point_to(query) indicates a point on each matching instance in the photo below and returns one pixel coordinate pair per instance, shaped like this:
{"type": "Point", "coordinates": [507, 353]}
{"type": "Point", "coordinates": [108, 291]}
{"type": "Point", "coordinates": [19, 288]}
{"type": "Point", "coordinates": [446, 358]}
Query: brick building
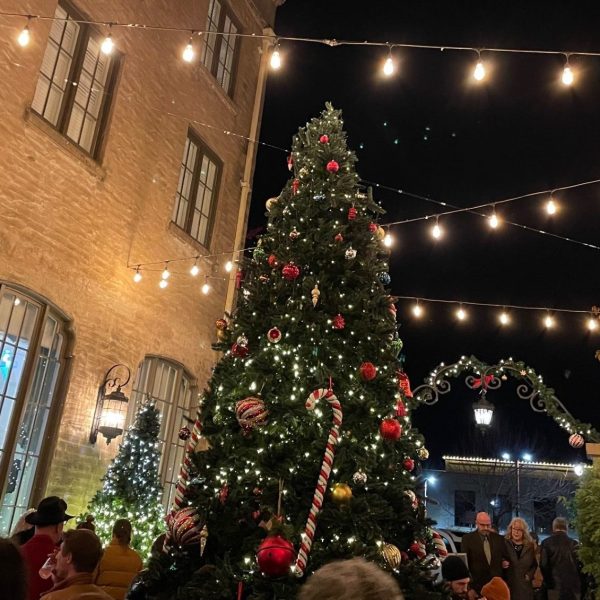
{"type": "Point", "coordinates": [93, 180]}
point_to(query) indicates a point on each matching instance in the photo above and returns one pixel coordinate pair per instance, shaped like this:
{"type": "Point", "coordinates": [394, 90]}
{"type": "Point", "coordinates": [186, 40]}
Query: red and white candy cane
{"type": "Point", "coordinates": [317, 501]}
{"type": "Point", "coordinates": [184, 471]}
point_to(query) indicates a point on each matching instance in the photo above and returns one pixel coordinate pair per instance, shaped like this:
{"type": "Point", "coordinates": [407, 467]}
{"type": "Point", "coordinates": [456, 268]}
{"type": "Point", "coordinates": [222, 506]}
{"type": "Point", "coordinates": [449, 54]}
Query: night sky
{"type": "Point", "coordinates": [430, 130]}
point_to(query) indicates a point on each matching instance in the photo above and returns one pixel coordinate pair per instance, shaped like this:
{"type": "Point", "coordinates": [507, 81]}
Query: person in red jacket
{"type": "Point", "coordinates": [48, 520]}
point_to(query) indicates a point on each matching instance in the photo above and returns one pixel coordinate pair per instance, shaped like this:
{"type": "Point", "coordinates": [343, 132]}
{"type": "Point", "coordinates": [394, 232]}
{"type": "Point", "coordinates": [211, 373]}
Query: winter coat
{"type": "Point", "coordinates": [560, 565]}
{"type": "Point", "coordinates": [78, 587]}
{"type": "Point", "coordinates": [35, 553]}
{"type": "Point", "coordinates": [519, 575]}
{"type": "Point", "coordinates": [119, 565]}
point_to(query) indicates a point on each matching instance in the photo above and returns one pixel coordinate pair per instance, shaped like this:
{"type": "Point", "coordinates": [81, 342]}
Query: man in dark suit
{"type": "Point", "coordinates": [485, 552]}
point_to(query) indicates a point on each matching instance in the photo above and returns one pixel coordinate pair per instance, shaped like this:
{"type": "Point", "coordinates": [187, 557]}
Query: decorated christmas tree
{"type": "Point", "coordinates": [131, 488]}
{"type": "Point", "coordinates": [311, 456]}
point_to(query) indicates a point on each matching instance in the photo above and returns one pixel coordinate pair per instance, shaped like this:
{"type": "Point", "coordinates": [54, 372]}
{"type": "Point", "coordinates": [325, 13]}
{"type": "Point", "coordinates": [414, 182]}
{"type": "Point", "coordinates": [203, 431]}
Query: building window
{"type": "Point", "coordinates": [76, 81]}
{"type": "Point", "coordinates": [32, 356]}
{"type": "Point", "coordinates": [173, 390]}
{"type": "Point", "coordinates": [464, 508]}
{"type": "Point", "coordinates": [219, 51]}
{"type": "Point", "coordinates": [197, 190]}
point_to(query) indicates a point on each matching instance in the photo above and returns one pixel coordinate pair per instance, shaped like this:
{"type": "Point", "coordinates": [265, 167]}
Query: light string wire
{"type": "Point", "coordinates": [276, 38]}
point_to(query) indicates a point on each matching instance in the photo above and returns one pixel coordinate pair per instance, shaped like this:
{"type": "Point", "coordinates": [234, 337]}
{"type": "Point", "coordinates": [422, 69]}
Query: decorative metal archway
{"type": "Point", "coordinates": [479, 375]}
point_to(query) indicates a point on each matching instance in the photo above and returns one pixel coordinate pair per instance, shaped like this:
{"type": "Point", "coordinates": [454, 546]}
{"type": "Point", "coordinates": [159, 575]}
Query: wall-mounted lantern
{"type": "Point", "coordinates": [111, 404]}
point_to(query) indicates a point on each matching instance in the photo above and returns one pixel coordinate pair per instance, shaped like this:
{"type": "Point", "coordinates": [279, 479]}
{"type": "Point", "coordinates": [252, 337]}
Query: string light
{"type": "Point", "coordinates": [592, 323]}
{"type": "Point", "coordinates": [504, 318]}
{"type": "Point", "coordinates": [479, 70]}
{"type": "Point", "coordinates": [494, 221]}
{"type": "Point", "coordinates": [108, 44]}
{"type": "Point", "coordinates": [162, 284]}
{"type": "Point", "coordinates": [461, 314]}
{"type": "Point", "coordinates": [549, 321]}
{"type": "Point", "coordinates": [188, 53]}
{"type": "Point", "coordinates": [195, 268]}
{"type": "Point", "coordinates": [206, 286]}
{"type": "Point", "coordinates": [137, 276]}
{"type": "Point", "coordinates": [551, 207]}
{"type": "Point", "coordinates": [436, 230]}
{"type": "Point", "coordinates": [388, 240]}
{"type": "Point", "coordinates": [417, 310]}
{"type": "Point", "coordinates": [166, 273]}
{"type": "Point", "coordinates": [275, 58]}
{"type": "Point", "coordinates": [388, 65]}
{"type": "Point", "coordinates": [229, 266]}
{"type": "Point", "coordinates": [567, 74]}
{"type": "Point", "coordinates": [25, 35]}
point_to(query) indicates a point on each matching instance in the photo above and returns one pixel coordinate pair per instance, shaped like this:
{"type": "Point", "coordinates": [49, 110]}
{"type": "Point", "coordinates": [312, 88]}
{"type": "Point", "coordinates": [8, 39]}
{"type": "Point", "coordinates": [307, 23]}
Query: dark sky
{"type": "Point", "coordinates": [431, 131]}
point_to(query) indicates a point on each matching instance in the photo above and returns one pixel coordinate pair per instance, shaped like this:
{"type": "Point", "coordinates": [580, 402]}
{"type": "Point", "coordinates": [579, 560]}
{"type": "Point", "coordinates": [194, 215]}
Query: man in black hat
{"type": "Point", "coordinates": [456, 574]}
{"type": "Point", "coordinates": [48, 520]}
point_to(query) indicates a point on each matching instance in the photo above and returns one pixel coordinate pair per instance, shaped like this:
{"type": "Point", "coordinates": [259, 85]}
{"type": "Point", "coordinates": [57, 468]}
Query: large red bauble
{"type": "Point", "coordinates": [272, 260]}
{"type": "Point", "coordinates": [408, 464]}
{"type": "Point", "coordinates": [239, 351]}
{"type": "Point", "coordinates": [576, 440]}
{"type": "Point", "coordinates": [324, 139]}
{"type": "Point", "coordinates": [390, 429]}
{"type": "Point", "coordinates": [290, 271]}
{"type": "Point", "coordinates": [372, 227]}
{"type": "Point", "coordinates": [351, 213]}
{"type": "Point", "coordinates": [333, 166]}
{"type": "Point", "coordinates": [338, 322]}
{"type": "Point", "coordinates": [221, 324]}
{"type": "Point", "coordinates": [251, 412]}
{"type": "Point", "coordinates": [275, 556]}
{"type": "Point", "coordinates": [368, 371]}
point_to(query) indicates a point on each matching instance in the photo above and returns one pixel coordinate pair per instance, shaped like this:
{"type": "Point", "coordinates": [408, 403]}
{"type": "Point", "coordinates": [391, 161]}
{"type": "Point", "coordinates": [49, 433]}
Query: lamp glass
{"type": "Point", "coordinates": [114, 411]}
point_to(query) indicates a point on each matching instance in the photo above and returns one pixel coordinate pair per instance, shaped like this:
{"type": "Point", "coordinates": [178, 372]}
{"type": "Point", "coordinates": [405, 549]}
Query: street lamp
{"type": "Point", "coordinates": [484, 411]}
{"type": "Point", "coordinates": [111, 405]}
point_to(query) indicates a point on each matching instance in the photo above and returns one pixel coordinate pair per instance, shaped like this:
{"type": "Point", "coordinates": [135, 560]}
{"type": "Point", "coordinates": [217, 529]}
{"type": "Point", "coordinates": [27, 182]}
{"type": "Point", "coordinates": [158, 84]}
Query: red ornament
{"type": "Point", "coordinates": [290, 162]}
{"type": "Point", "coordinates": [290, 271]}
{"type": "Point", "coordinates": [351, 213]}
{"type": "Point", "coordinates": [338, 322]}
{"type": "Point", "coordinates": [401, 409]}
{"type": "Point", "coordinates": [418, 549]}
{"type": "Point", "coordinates": [404, 383]}
{"type": "Point", "coordinates": [339, 238]}
{"type": "Point", "coordinates": [185, 526]}
{"type": "Point", "coordinates": [273, 262]}
{"type": "Point", "coordinates": [390, 429]}
{"type": "Point", "coordinates": [408, 464]}
{"type": "Point", "coordinates": [368, 371]}
{"type": "Point", "coordinates": [223, 493]}
{"type": "Point", "coordinates": [251, 412]}
{"type": "Point", "coordinates": [576, 440]}
{"type": "Point", "coordinates": [275, 556]}
{"type": "Point", "coordinates": [333, 166]}
{"type": "Point", "coordinates": [274, 335]}
{"type": "Point", "coordinates": [372, 227]}
{"type": "Point", "coordinates": [239, 351]}
{"type": "Point", "coordinates": [184, 433]}
{"type": "Point", "coordinates": [404, 555]}
{"type": "Point", "coordinates": [239, 277]}
{"type": "Point", "coordinates": [295, 186]}
{"type": "Point", "coordinates": [324, 139]}
{"type": "Point", "coordinates": [221, 324]}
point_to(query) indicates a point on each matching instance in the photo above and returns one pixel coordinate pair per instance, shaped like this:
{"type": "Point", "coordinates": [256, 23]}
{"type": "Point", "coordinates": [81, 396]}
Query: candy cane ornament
{"type": "Point", "coordinates": [317, 501]}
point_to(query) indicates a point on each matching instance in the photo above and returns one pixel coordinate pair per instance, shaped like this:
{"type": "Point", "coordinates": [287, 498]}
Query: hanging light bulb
{"type": "Point", "coordinates": [388, 65]}
{"type": "Point", "coordinates": [417, 310]}
{"type": "Point", "coordinates": [504, 318]}
{"type": "Point", "coordinates": [436, 230]}
{"type": "Point", "coordinates": [25, 35]}
{"type": "Point", "coordinates": [137, 276]}
{"type": "Point", "coordinates": [493, 220]}
{"type": "Point", "coordinates": [551, 206]}
{"type": "Point", "coordinates": [188, 53]}
{"type": "Point", "coordinates": [461, 314]}
{"type": "Point", "coordinates": [162, 284]}
{"type": "Point", "coordinates": [479, 70]}
{"type": "Point", "coordinates": [275, 58]}
{"type": "Point", "coordinates": [195, 268]}
{"type": "Point", "coordinates": [229, 266]}
{"type": "Point", "coordinates": [166, 273]}
{"type": "Point", "coordinates": [388, 240]}
{"type": "Point", "coordinates": [206, 286]}
{"type": "Point", "coordinates": [567, 77]}
{"type": "Point", "coordinates": [592, 323]}
{"type": "Point", "coordinates": [108, 44]}
{"type": "Point", "coordinates": [549, 321]}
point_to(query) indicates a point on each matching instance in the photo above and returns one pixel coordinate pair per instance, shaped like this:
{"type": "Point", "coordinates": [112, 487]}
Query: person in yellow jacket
{"type": "Point", "coordinates": [120, 563]}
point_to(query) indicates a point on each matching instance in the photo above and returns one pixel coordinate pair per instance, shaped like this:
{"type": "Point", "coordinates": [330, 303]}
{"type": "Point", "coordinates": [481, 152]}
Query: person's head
{"type": "Point", "coordinates": [13, 576]}
{"type": "Point", "coordinates": [456, 574]}
{"type": "Point", "coordinates": [495, 589]}
{"type": "Point", "coordinates": [355, 578]}
{"type": "Point", "coordinates": [22, 525]}
{"type": "Point", "coordinates": [87, 524]}
{"type": "Point", "coordinates": [80, 552]}
{"type": "Point", "coordinates": [560, 524]}
{"type": "Point", "coordinates": [49, 517]}
{"type": "Point", "coordinates": [483, 522]}
{"type": "Point", "coordinates": [518, 531]}
{"type": "Point", "coordinates": [122, 531]}
{"type": "Point", "coordinates": [158, 545]}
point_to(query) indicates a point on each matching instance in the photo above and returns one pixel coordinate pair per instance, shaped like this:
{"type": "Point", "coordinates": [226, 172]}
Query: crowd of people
{"type": "Point", "coordinates": [41, 561]}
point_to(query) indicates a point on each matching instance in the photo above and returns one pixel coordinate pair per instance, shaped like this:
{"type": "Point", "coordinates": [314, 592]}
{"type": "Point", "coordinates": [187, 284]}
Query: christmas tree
{"type": "Point", "coordinates": [311, 455]}
{"type": "Point", "coordinates": [131, 488]}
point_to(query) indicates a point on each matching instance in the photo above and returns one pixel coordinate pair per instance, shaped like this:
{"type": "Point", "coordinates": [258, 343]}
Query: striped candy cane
{"type": "Point", "coordinates": [317, 501]}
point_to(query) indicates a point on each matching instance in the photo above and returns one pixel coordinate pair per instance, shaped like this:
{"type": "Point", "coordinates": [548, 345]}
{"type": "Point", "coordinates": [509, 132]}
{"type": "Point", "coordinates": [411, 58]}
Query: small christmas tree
{"type": "Point", "coordinates": [587, 511]}
{"type": "Point", "coordinates": [131, 488]}
{"type": "Point", "coordinates": [311, 455]}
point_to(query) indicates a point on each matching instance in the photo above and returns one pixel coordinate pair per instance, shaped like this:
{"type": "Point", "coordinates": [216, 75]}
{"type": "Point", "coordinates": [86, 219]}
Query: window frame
{"type": "Point", "coordinates": [213, 68]}
{"type": "Point", "coordinates": [86, 32]}
{"type": "Point", "coordinates": [202, 150]}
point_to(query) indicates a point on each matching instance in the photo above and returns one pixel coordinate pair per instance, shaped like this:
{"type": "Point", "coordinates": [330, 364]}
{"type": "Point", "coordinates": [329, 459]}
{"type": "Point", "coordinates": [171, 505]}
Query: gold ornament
{"type": "Point", "coordinates": [315, 294]}
{"type": "Point", "coordinates": [341, 493]}
{"type": "Point", "coordinates": [423, 453]}
{"type": "Point", "coordinates": [391, 555]}
{"type": "Point", "coordinates": [380, 233]}
{"type": "Point", "coordinates": [270, 202]}
{"type": "Point", "coordinates": [222, 335]}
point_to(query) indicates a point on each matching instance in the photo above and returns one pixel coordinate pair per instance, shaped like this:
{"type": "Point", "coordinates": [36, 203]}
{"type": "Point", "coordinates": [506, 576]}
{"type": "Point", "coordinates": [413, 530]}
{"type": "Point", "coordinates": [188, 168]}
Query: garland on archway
{"type": "Point", "coordinates": [490, 377]}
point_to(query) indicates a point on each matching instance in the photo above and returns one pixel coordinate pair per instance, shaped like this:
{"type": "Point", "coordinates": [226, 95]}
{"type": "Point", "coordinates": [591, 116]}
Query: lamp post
{"type": "Point", "coordinates": [484, 412]}
{"type": "Point", "coordinates": [111, 404]}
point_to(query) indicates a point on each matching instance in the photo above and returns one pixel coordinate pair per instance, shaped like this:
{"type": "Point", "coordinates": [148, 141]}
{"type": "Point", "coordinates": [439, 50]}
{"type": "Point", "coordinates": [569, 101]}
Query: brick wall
{"type": "Point", "coordinates": [69, 227]}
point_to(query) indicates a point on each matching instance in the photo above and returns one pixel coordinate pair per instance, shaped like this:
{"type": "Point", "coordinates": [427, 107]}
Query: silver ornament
{"type": "Point", "coordinates": [360, 478]}
{"type": "Point", "coordinates": [350, 253]}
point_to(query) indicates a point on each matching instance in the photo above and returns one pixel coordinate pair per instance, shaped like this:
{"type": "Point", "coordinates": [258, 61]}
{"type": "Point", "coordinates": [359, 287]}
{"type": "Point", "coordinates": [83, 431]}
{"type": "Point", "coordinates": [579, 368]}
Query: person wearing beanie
{"type": "Point", "coordinates": [456, 574]}
{"type": "Point", "coordinates": [496, 589]}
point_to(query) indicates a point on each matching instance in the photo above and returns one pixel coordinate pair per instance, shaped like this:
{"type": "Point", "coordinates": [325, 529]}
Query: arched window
{"type": "Point", "coordinates": [174, 391]}
{"type": "Point", "coordinates": [32, 367]}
